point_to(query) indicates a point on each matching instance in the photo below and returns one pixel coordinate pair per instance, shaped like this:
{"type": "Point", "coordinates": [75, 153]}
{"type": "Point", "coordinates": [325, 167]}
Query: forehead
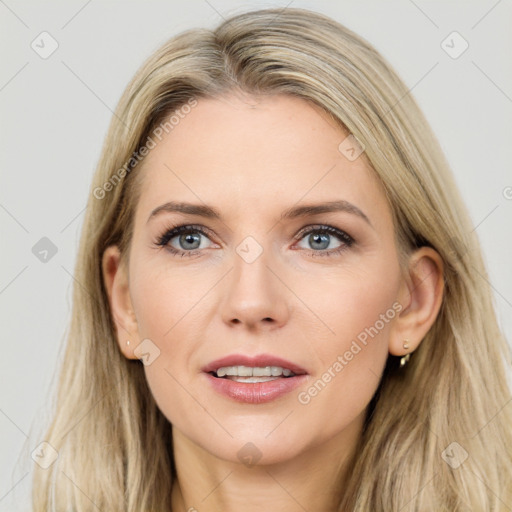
{"type": "Point", "coordinates": [241, 150]}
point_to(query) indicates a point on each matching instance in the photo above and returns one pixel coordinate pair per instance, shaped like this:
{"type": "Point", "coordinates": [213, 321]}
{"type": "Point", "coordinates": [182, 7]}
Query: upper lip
{"type": "Point", "coordinates": [259, 361]}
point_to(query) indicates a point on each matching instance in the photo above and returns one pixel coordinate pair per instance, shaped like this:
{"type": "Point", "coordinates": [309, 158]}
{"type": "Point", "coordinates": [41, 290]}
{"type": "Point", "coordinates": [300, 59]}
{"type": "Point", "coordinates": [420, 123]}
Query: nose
{"type": "Point", "coordinates": [255, 296]}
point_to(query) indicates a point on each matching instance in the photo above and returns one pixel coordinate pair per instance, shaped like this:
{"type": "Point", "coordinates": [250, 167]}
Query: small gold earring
{"type": "Point", "coordinates": [404, 359]}
{"type": "Point", "coordinates": [127, 342]}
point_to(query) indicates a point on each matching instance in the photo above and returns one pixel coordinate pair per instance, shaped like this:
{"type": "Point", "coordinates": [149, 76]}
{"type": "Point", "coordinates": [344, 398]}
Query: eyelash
{"type": "Point", "coordinates": [174, 230]}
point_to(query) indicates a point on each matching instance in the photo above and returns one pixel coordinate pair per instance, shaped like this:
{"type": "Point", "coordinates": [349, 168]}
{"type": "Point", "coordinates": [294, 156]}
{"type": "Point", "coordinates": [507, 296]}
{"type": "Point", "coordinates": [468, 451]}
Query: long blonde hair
{"type": "Point", "coordinates": [114, 444]}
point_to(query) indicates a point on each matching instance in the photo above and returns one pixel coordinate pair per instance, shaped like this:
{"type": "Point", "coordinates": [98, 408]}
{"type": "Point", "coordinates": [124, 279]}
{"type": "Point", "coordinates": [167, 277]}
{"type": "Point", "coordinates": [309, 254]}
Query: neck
{"type": "Point", "coordinates": [312, 480]}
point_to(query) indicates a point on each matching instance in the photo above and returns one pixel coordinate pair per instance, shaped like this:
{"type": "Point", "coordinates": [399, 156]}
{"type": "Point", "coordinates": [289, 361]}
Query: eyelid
{"type": "Point", "coordinates": [327, 228]}
{"type": "Point", "coordinates": [318, 226]}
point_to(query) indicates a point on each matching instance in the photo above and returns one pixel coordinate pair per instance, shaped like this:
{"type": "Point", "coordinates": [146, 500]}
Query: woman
{"type": "Point", "coordinates": [217, 357]}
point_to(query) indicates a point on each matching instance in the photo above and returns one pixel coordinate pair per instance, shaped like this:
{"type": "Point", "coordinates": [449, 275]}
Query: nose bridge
{"type": "Point", "coordinates": [254, 295]}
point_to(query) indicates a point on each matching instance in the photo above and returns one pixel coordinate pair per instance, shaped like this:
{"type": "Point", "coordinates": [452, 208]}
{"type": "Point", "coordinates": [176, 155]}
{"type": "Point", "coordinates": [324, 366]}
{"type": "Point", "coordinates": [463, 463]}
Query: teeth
{"type": "Point", "coordinates": [249, 371]}
{"type": "Point", "coordinates": [221, 372]}
{"type": "Point", "coordinates": [261, 372]}
{"type": "Point", "coordinates": [242, 371]}
{"type": "Point", "coordinates": [251, 380]}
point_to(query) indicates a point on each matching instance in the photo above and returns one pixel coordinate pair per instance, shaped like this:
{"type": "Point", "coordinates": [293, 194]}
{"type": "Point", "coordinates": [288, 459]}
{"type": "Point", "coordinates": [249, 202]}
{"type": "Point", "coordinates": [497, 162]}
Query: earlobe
{"type": "Point", "coordinates": [422, 293]}
{"type": "Point", "coordinates": [115, 277]}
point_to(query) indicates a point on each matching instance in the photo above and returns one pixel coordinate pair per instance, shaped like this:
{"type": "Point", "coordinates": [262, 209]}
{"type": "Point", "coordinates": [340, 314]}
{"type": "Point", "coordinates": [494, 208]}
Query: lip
{"type": "Point", "coordinates": [257, 392]}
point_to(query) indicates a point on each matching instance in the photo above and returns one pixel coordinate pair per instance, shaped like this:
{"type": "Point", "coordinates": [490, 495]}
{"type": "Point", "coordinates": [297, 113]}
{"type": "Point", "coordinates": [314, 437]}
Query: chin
{"type": "Point", "coordinates": [252, 454]}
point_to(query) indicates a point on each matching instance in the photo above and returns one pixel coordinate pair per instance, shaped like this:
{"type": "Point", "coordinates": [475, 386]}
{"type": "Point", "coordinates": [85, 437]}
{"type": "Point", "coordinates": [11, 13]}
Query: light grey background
{"type": "Point", "coordinates": [55, 114]}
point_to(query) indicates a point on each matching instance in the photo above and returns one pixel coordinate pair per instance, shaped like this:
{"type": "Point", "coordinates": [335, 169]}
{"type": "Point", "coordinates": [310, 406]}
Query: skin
{"type": "Point", "coordinates": [251, 158]}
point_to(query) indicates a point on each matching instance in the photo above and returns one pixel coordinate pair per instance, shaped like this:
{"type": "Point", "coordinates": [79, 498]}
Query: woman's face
{"type": "Point", "coordinates": [261, 284]}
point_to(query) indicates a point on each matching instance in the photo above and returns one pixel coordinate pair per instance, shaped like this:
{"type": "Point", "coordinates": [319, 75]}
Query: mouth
{"type": "Point", "coordinates": [254, 380]}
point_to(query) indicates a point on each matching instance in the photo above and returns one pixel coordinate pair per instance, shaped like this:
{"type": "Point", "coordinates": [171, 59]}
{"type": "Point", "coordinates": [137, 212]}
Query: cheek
{"type": "Point", "coordinates": [166, 303]}
{"type": "Point", "coordinates": [164, 297]}
{"type": "Point", "coordinates": [351, 369]}
{"type": "Point", "coordinates": [351, 304]}
{"type": "Point", "coordinates": [359, 310]}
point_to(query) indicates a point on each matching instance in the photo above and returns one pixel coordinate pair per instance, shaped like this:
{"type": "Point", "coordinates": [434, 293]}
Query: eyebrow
{"type": "Point", "coordinates": [291, 213]}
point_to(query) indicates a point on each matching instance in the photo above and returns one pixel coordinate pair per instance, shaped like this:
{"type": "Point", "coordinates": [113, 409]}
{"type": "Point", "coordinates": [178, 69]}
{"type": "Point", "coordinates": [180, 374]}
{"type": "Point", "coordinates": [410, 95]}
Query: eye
{"type": "Point", "coordinates": [187, 240]}
{"type": "Point", "coordinates": [321, 237]}
{"type": "Point", "coordinates": [184, 240]}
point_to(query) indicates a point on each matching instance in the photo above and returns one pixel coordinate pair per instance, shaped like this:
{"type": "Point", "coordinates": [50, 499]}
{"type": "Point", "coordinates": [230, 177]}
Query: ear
{"type": "Point", "coordinates": [421, 295]}
{"type": "Point", "coordinates": [115, 276]}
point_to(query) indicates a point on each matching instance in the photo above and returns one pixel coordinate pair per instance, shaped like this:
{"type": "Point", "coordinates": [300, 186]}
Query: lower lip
{"type": "Point", "coordinates": [257, 392]}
